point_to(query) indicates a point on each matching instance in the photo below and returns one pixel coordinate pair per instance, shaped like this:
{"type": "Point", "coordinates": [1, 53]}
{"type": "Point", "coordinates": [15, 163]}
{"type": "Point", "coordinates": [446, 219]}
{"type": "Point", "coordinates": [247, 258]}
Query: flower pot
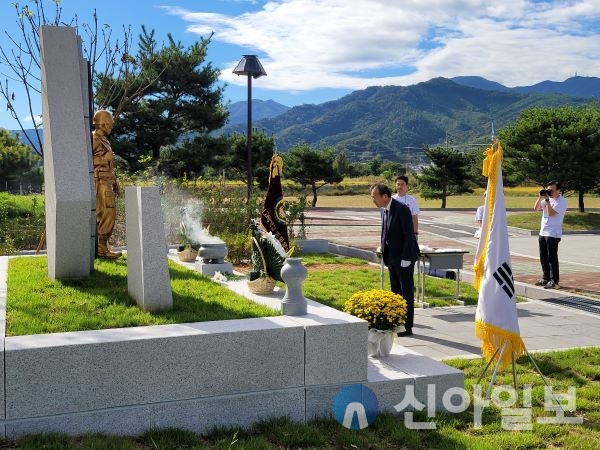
{"type": "Point", "coordinates": [380, 342]}
{"type": "Point", "coordinates": [188, 254]}
{"type": "Point", "coordinates": [261, 285]}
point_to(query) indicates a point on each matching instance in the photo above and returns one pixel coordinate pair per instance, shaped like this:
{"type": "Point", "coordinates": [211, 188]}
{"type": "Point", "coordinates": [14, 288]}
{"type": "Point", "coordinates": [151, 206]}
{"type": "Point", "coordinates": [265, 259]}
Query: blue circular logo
{"type": "Point", "coordinates": [355, 406]}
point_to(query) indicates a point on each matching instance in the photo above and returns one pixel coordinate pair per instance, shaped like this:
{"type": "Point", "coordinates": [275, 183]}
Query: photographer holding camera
{"type": "Point", "coordinates": [553, 206]}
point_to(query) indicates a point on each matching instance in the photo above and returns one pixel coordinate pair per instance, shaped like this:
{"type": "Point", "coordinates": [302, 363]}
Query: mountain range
{"type": "Point", "coordinates": [395, 122]}
{"type": "Point", "coordinates": [576, 86]}
{"type": "Point", "coordinates": [261, 109]}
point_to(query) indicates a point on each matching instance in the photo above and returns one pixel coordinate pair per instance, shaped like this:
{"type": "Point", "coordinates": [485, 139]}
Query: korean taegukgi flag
{"type": "Point", "coordinates": [496, 320]}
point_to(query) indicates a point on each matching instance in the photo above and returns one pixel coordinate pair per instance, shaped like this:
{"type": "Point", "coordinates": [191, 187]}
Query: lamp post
{"type": "Point", "coordinates": [249, 65]}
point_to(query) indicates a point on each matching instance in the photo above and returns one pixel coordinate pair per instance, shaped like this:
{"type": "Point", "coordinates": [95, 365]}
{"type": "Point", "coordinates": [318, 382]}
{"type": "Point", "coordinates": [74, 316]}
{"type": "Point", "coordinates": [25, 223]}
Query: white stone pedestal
{"type": "Point", "coordinates": [211, 269]}
{"type": "Point", "coordinates": [148, 279]}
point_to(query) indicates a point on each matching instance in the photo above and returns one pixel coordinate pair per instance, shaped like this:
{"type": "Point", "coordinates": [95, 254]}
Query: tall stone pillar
{"type": "Point", "coordinates": [70, 197]}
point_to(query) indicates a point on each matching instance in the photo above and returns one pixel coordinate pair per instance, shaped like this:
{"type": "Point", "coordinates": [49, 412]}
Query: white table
{"type": "Point", "coordinates": [438, 258]}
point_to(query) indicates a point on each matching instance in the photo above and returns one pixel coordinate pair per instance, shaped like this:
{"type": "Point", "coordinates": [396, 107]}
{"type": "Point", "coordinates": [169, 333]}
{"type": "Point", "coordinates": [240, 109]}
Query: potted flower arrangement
{"type": "Point", "coordinates": [385, 313]}
{"type": "Point", "coordinates": [268, 256]}
{"type": "Point", "coordinates": [259, 282]}
{"type": "Point", "coordinates": [187, 251]}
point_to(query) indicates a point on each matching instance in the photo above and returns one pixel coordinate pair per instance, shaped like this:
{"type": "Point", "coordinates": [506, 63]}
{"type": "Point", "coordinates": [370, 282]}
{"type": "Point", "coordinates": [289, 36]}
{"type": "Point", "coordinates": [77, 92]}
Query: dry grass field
{"type": "Point", "coordinates": [515, 198]}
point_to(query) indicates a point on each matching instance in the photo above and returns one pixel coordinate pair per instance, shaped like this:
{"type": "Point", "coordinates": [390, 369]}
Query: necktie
{"type": "Point", "coordinates": [384, 227]}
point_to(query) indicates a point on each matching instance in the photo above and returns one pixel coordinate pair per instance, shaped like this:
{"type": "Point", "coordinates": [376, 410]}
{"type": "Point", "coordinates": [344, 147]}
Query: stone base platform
{"type": "Point", "coordinates": [210, 269]}
{"type": "Point", "coordinates": [201, 375]}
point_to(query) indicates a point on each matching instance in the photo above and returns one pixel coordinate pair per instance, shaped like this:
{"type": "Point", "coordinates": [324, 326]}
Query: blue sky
{"type": "Point", "coordinates": [319, 50]}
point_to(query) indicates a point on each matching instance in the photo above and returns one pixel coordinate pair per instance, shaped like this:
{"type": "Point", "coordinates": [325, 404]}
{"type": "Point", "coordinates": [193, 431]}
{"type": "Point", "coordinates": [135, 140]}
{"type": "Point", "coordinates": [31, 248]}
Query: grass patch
{"type": "Point", "coordinates": [334, 287]}
{"type": "Point", "coordinates": [514, 198]}
{"type": "Point", "coordinates": [38, 305]}
{"type": "Point", "coordinates": [170, 438]}
{"type": "Point", "coordinates": [578, 367]}
{"type": "Point", "coordinates": [573, 221]}
{"type": "Point", "coordinates": [313, 259]}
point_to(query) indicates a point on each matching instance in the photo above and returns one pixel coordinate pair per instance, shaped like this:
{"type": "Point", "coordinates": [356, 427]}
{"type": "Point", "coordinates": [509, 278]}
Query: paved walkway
{"type": "Point", "coordinates": [443, 333]}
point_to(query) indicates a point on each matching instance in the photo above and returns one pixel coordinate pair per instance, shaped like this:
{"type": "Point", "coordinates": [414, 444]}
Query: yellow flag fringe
{"type": "Point", "coordinates": [493, 338]}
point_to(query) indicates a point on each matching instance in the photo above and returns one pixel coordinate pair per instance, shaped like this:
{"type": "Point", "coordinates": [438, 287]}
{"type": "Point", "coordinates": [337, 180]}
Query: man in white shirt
{"type": "Point", "coordinates": [553, 206]}
{"type": "Point", "coordinates": [479, 218]}
{"type": "Point", "coordinates": [403, 197]}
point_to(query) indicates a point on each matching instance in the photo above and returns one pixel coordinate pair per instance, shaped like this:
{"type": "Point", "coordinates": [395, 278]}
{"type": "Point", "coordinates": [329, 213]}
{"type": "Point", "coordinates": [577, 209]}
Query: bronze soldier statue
{"type": "Point", "coordinates": [106, 182]}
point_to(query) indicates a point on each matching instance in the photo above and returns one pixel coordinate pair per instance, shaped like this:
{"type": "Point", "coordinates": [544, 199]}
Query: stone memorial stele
{"type": "Point", "coordinates": [69, 192]}
{"type": "Point", "coordinates": [148, 280]}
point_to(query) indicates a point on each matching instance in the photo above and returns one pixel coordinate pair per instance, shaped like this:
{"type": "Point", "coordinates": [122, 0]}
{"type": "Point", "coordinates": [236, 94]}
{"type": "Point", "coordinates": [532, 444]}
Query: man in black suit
{"type": "Point", "coordinates": [399, 247]}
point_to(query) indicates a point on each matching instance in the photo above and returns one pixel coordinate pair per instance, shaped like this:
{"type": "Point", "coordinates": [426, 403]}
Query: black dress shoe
{"type": "Point", "coordinates": [408, 332]}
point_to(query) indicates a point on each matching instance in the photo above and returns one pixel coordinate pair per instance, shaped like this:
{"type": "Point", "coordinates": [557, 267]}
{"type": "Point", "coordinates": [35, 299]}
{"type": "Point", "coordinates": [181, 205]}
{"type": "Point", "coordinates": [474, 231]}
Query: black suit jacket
{"type": "Point", "coordinates": [400, 240]}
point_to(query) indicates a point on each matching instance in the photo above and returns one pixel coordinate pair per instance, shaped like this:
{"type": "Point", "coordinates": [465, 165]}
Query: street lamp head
{"type": "Point", "coordinates": [250, 65]}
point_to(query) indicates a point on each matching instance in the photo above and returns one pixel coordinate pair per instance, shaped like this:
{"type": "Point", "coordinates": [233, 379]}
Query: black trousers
{"type": "Point", "coordinates": [549, 258]}
{"type": "Point", "coordinates": [402, 282]}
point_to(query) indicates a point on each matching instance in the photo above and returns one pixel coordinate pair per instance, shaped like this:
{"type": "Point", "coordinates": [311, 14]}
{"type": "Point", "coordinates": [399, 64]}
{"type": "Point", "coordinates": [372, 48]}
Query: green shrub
{"type": "Point", "coordinates": [238, 246]}
{"type": "Point", "coordinates": [296, 218]}
{"type": "Point", "coordinates": [22, 222]}
{"type": "Point", "coordinates": [13, 206]}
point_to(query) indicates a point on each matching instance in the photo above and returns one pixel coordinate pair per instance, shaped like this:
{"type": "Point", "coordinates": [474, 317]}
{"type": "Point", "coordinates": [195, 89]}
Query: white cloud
{"type": "Point", "coordinates": [29, 120]}
{"type": "Point", "coordinates": [352, 44]}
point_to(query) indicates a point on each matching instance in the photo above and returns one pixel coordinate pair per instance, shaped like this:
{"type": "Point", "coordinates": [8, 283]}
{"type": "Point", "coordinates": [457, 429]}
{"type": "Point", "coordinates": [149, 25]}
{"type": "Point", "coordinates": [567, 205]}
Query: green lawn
{"type": "Point", "coordinates": [334, 286]}
{"type": "Point", "coordinates": [39, 305]}
{"type": "Point", "coordinates": [573, 221]}
{"type": "Point", "coordinates": [577, 368]}
{"type": "Point", "coordinates": [520, 197]}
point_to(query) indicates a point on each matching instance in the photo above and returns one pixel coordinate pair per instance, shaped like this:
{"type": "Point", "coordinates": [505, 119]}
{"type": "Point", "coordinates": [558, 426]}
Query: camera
{"type": "Point", "coordinates": [545, 192]}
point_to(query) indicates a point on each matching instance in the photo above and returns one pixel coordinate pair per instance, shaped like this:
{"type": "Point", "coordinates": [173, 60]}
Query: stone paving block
{"type": "Point", "coordinates": [335, 353]}
{"type": "Point", "coordinates": [333, 339]}
{"type": "Point", "coordinates": [312, 245]}
{"type": "Point", "coordinates": [319, 401]}
{"type": "Point", "coordinates": [198, 415]}
{"type": "Point", "coordinates": [333, 345]}
{"type": "Point", "coordinates": [64, 373]}
{"type": "Point", "coordinates": [388, 382]}
{"type": "Point", "coordinates": [128, 421]}
{"type": "Point", "coordinates": [202, 415]}
{"type": "Point", "coordinates": [389, 378]}
{"type": "Point", "coordinates": [425, 371]}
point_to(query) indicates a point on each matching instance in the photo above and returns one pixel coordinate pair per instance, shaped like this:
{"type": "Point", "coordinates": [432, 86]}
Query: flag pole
{"type": "Point", "coordinates": [514, 367]}
{"type": "Point", "coordinates": [543, 378]}
{"type": "Point", "coordinates": [488, 365]}
{"type": "Point", "coordinates": [489, 389]}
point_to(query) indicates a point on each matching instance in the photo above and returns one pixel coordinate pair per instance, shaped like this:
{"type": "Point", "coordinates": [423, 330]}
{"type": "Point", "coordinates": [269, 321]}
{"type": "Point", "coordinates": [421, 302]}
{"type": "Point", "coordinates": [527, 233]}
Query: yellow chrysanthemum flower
{"type": "Point", "coordinates": [383, 310]}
